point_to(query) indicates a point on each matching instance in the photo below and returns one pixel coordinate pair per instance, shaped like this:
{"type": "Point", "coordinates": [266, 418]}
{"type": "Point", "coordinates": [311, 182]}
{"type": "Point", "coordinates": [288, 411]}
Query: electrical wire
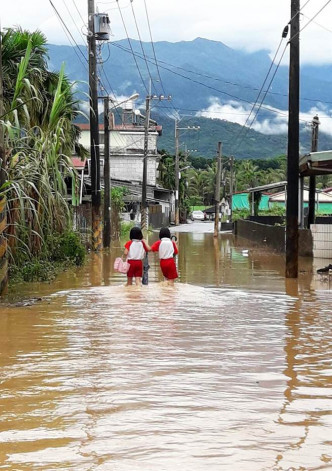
{"type": "Point", "coordinates": [318, 24]}
{"type": "Point", "coordinates": [315, 16]}
{"type": "Point", "coordinates": [71, 16]}
{"type": "Point", "coordinates": [68, 34]}
{"type": "Point", "coordinates": [141, 44]}
{"type": "Point", "coordinates": [200, 83]}
{"type": "Point", "coordinates": [131, 48]}
{"type": "Point", "coordinates": [149, 59]}
{"type": "Point", "coordinates": [153, 48]}
{"type": "Point", "coordinates": [262, 100]}
{"type": "Point", "coordinates": [78, 11]}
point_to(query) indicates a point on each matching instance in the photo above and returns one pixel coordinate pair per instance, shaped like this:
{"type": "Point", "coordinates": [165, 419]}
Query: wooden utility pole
{"type": "Point", "coordinates": [217, 192]}
{"type": "Point", "coordinates": [94, 133]}
{"type": "Point", "coordinates": [312, 179]}
{"type": "Point", "coordinates": [107, 177]}
{"type": "Point", "coordinates": [144, 208]}
{"type": "Point", "coordinates": [292, 206]}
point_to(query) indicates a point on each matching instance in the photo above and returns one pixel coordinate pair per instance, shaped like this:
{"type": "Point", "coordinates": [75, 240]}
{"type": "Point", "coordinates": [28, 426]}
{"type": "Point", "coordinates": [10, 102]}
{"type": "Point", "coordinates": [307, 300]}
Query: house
{"type": "Point", "coordinates": [126, 165]}
{"type": "Point", "coordinates": [323, 200]}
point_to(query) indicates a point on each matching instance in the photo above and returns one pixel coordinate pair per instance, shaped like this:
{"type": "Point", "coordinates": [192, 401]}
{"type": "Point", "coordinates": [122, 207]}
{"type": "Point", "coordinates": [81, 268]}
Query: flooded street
{"type": "Point", "coordinates": [229, 370]}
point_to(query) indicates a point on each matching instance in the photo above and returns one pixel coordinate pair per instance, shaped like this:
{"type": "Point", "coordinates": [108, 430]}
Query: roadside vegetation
{"type": "Point", "coordinates": [40, 136]}
{"type": "Point", "coordinates": [197, 181]}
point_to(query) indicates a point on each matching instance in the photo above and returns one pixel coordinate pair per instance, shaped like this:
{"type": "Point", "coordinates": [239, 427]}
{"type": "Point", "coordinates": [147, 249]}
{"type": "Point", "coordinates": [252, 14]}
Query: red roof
{"type": "Point", "coordinates": [78, 163]}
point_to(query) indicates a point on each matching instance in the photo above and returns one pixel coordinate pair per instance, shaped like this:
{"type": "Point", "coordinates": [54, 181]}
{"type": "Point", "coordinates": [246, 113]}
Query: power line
{"type": "Point", "coordinates": [71, 16]}
{"type": "Point", "coordinates": [319, 11]}
{"type": "Point", "coordinates": [68, 34]}
{"type": "Point", "coordinates": [132, 51]}
{"type": "Point", "coordinates": [78, 11]}
{"type": "Point", "coordinates": [141, 43]}
{"type": "Point", "coordinates": [153, 48]}
{"type": "Point", "coordinates": [263, 98]}
{"type": "Point", "coordinates": [199, 83]}
{"type": "Point", "coordinates": [149, 59]}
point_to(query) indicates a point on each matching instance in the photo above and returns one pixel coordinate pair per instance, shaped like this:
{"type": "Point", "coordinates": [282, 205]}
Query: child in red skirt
{"type": "Point", "coordinates": [135, 250]}
{"type": "Point", "coordinates": [166, 249]}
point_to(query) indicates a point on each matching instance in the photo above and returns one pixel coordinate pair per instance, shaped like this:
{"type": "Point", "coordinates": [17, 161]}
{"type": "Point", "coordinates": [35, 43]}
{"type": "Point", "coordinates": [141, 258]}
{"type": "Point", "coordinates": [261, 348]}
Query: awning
{"type": "Point", "coordinates": [316, 163]}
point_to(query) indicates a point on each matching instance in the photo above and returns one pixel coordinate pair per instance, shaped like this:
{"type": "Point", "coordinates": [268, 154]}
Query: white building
{"type": "Point", "coordinates": [126, 163]}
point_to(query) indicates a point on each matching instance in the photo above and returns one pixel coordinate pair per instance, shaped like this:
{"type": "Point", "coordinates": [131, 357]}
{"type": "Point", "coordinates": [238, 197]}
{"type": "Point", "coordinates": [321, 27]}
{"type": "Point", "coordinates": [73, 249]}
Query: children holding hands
{"type": "Point", "coordinates": [136, 248]}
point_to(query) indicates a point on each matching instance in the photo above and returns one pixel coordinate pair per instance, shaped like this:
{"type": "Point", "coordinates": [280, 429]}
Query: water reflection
{"type": "Point", "coordinates": [228, 370]}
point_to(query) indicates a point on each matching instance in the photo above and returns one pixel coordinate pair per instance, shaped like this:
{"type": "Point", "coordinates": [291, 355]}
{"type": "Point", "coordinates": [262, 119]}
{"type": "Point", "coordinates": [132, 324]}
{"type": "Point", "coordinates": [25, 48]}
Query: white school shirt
{"type": "Point", "coordinates": [136, 249]}
{"type": "Point", "coordinates": [166, 248]}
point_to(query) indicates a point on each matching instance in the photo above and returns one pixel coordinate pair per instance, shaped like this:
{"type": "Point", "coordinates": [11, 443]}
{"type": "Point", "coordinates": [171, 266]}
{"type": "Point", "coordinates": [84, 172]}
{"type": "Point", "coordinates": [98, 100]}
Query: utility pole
{"type": "Point", "coordinates": [177, 169]}
{"type": "Point", "coordinates": [177, 176]}
{"type": "Point", "coordinates": [2, 142]}
{"type": "Point", "coordinates": [292, 206]}
{"type": "Point", "coordinates": [217, 192]}
{"type": "Point", "coordinates": [3, 215]}
{"type": "Point", "coordinates": [144, 208]}
{"type": "Point", "coordinates": [107, 177]}
{"type": "Point", "coordinates": [94, 133]}
{"type": "Point", "coordinates": [231, 184]}
{"type": "Point", "coordinates": [144, 205]}
{"type": "Point", "coordinates": [312, 179]}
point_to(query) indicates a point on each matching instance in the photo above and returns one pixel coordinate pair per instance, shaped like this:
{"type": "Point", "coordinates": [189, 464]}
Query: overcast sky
{"type": "Point", "coordinates": [241, 24]}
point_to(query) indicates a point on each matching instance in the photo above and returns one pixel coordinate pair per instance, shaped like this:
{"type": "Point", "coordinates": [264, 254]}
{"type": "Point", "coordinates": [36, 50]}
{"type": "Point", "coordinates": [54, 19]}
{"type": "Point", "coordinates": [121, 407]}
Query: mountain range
{"type": "Point", "coordinates": [204, 75]}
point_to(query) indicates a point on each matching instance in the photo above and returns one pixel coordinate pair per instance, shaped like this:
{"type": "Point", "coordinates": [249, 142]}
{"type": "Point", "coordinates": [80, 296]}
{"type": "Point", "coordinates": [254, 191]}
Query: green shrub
{"type": "Point", "coordinates": [34, 270]}
{"type": "Point", "coordinates": [65, 247]}
{"type": "Point", "coordinates": [71, 248]}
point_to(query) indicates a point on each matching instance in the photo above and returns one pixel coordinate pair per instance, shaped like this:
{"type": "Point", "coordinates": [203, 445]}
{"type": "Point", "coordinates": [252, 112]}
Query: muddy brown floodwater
{"type": "Point", "coordinates": [230, 370]}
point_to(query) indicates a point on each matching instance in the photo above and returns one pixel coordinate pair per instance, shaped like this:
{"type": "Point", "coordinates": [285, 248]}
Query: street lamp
{"type": "Point", "coordinates": [107, 173]}
{"type": "Point", "coordinates": [144, 206]}
{"type": "Point", "coordinates": [177, 182]}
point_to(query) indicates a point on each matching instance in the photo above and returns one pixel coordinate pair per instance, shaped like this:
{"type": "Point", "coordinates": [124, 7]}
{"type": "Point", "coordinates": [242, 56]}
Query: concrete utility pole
{"type": "Point", "coordinates": [217, 192]}
{"type": "Point", "coordinates": [231, 184]}
{"type": "Point", "coordinates": [2, 143]}
{"type": "Point", "coordinates": [177, 169]}
{"type": "Point", "coordinates": [177, 176]}
{"type": "Point", "coordinates": [3, 215]}
{"type": "Point", "coordinates": [144, 205]}
{"type": "Point", "coordinates": [292, 206]}
{"type": "Point", "coordinates": [107, 177]}
{"type": "Point", "coordinates": [94, 133]}
{"type": "Point", "coordinates": [144, 208]}
{"type": "Point", "coordinates": [312, 179]}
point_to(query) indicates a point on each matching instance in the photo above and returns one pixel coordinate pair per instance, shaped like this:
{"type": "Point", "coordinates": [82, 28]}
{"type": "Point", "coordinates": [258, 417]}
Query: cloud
{"type": "Point", "coordinates": [277, 123]}
{"type": "Point", "coordinates": [241, 24]}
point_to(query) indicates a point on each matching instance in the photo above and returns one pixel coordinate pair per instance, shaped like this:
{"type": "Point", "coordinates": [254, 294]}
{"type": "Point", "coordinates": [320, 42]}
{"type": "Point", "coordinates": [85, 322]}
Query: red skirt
{"type": "Point", "coordinates": [136, 269]}
{"type": "Point", "coordinates": [168, 268]}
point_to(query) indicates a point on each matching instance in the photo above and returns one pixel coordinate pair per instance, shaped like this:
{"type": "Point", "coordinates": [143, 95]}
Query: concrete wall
{"type": "Point", "coordinates": [130, 168]}
{"type": "Point", "coordinates": [322, 240]}
{"type": "Point", "coordinates": [122, 140]}
{"type": "Point", "coordinates": [273, 236]}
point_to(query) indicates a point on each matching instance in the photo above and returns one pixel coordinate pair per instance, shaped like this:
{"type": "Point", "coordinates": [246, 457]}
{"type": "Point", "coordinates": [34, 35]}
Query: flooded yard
{"type": "Point", "coordinates": [229, 370]}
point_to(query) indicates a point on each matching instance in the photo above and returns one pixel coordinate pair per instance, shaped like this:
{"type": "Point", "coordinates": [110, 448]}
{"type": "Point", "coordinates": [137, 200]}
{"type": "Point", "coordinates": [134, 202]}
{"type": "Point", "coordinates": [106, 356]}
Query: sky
{"type": "Point", "coordinates": [241, 24]}
{"type": "Point", "coordinates": [249, 25]}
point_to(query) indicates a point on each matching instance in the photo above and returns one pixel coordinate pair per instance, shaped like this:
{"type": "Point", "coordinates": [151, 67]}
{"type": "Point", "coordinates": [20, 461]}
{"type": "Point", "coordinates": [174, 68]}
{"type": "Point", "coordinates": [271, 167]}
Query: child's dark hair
{"type": "Point", "coordinates": [136, 233]}
{"type": "Point", "coordinates": [164, 232]}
